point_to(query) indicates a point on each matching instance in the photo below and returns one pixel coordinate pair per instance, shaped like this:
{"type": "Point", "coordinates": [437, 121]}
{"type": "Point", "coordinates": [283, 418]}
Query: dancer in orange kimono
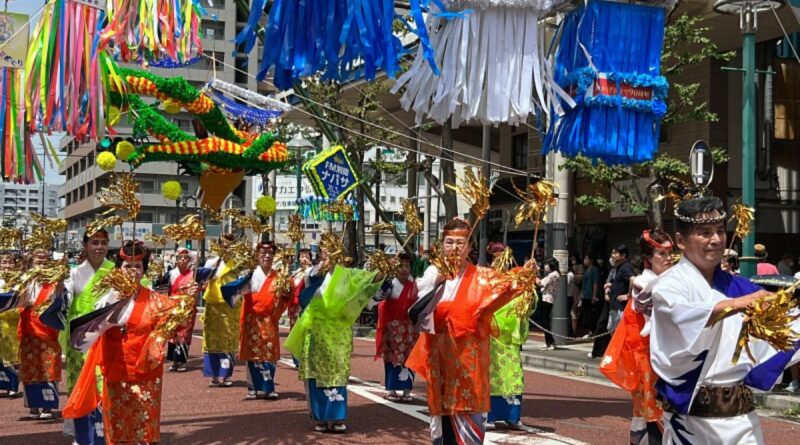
{"type": "Point", "coordinates": [452, 353]}
{"type": "Point", "coordinates": [395, 335]}
{"type": "Point", "coordinates": [180, 279]}
{"type": "Point", "coordinates": [261, 311]}
{"type": "Point", "coordinates": [627, 358]}
{"type": "Point", "coordinates": [39, 350]}
{"type": "Point", "coordinates": [131, 332]}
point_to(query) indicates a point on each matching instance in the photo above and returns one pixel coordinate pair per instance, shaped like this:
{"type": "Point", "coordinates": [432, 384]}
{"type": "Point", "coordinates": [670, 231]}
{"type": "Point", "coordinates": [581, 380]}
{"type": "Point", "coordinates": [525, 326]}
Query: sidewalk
{"type": "Point", "coordinates": [572, 359]}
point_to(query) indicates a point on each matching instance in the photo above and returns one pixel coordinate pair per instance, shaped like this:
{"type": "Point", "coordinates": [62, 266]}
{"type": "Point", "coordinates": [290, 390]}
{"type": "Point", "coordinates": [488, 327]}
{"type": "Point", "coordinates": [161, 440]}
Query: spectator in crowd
{"type": "Point", "coordinates": [549, 285]}
{"type": "Point", "coordinates": [786, 264]}
{"type": "Point", "coordinates": [730, 262]}
{"type": "Point", "coordinates": [762, 266]}
{"type": "Point", "coordinates": [590, 287]}
{"type": "Point", "coordinates": [616, 297]}
{"type": "Point", "coordinates": [574, 292]}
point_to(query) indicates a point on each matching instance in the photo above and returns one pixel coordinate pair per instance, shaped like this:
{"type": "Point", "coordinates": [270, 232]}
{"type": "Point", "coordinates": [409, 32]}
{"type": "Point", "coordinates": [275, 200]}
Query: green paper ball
{"type": "Point", "coordinates": [171, 190]}
{"type": "Point", "coordinates": [106, 161]}
{"type": "Point", "coordinates": [266, 206]}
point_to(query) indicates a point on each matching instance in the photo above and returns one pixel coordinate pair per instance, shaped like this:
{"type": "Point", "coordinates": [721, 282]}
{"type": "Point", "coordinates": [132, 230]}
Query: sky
{"type": "Point", "coordinates": [30, 7]}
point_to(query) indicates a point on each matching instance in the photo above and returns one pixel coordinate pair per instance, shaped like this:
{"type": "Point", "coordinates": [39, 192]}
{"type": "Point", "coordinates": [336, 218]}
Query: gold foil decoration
{"type": "Point", "coordinates": [744, 217]}
{"type": "Point", "coordinates": [411, 215]}
{"type": "Point", "coordinates": [383, 263]}
{"type": "Point", "coordinates": [382, 227]}
{"type": "Point", "coordinates": [119, 195]}
{"type": "Point", "coordinates": [252, 223]}
{"type": "Point", "coordinates": [768, 319]}
{"type": "Point", "coordinates": [9, 238]}
{"type": "Point", "coordinates": [476, 191]}
{"type": "Point", "coordinates": [157, 240]}
{"type": "Point", "coordinates": [155, 269]}
{"type": "Point", "coordinates": [190, 228]}
{"type": "Point", "coordinates": [119, 280]}
{"type": "Point", "coordinates": [504, 261]}
{"type": "Point", "coordinates": [48, 224]}
{"type": "Point", "coordinates": [295, 229]}
{"type": "Point", "coordinates": [38, 239]}
{"type": "Point", "coordinates": [283, 281]}
{"type": "Point", "coordinates": [537, 198]}
{"type": "Point", "coordinates": [214, 215]}
{"type": "Point", "coordinates": [99, 224]}
{"type": "Point", "coordinates": [239, 256]}
{"type": "Point", "coordinates": [447, 265]}
{"type": "Point", "coordinates": [333, 245]}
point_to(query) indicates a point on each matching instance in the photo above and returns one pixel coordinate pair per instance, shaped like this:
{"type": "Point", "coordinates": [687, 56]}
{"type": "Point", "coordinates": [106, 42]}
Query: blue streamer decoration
{"type": "Point", "coordinates": [251, 115]}
{"type": "Point", "coordinates": [313, 207]}
{"type": "Point", "coordinates": [625, 43]}
{"type": "Point", "coordinates": [170, 64]}
{"type": "Point", "coordinates": [338, 38]}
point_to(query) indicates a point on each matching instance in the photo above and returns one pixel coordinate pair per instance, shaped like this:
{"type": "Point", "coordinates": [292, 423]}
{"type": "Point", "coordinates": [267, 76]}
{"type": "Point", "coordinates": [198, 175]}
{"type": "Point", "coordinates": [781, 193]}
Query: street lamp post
{"type": "Point", "coordinates": [299, 143]}
{"type": "Point", "coordinates": [748, 23]}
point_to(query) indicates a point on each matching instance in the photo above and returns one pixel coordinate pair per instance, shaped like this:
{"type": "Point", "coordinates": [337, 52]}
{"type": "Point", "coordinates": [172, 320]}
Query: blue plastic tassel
{"type": "Point", "coordinates": [620, 95]}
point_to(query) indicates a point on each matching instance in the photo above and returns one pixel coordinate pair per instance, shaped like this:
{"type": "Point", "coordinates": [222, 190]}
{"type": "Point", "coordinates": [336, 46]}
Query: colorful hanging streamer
{"type": "Point", "coordinates": [19, 161]}
{"type": "Point", "coordinates": [609, 60]}
{"type": "Point", "coordinates": [65, 76]}
{"type": "Point", "coordinates": [164, 32]}
{"type": "Point", "coordinates": [318, 209]}
{"type": "Point", "coordinates": [336, 37]}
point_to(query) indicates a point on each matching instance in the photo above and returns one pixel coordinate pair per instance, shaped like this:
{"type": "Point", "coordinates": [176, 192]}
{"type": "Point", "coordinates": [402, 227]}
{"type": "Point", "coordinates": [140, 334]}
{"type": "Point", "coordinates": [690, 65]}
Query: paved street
{"type": "Point", "coordinates": [558, 408]}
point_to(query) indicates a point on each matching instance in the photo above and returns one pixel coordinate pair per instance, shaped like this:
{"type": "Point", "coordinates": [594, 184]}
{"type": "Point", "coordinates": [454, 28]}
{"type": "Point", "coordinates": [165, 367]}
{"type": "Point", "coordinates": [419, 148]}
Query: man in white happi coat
{"type": "Point", "coordinates": [697, 317]}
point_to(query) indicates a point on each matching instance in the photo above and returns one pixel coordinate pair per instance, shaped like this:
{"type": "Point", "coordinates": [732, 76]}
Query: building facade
{"type": "Point", "coordinates": [19, 200]}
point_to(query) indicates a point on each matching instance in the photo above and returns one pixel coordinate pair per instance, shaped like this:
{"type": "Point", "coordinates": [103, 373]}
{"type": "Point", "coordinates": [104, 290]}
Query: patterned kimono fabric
{"type": "Point", "coordinates": [220, 328]}
{"type": "Point", "coordinates": [132, 364]}
{"type": "Point", "coordinates": [455, 360]}
{"type": "Point", "coordinates": [87, 430]}
{"type": "Point", "coordinates": [395, 336]}
{"type": "Point", "coordinates": [40, 353]}
{"type": "Point", "coordinates": [178, 348]}
{"type": "Point", "coordinates": [322, 339]}
{"type": "Point", "coordinates": [260, 340]}
{"type": "Point", "coordinates": [506, 373]}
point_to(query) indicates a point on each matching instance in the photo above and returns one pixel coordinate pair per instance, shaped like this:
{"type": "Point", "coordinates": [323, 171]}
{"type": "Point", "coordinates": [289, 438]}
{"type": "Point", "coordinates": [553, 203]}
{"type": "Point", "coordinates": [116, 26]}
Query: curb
{"type": "Point", "coordinates": [768, 400]}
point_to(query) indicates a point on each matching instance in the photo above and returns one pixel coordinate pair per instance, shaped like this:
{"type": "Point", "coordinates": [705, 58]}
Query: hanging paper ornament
{"type": "Point", "coordinates": [171, 190]}
{"type": "Point", "coordinates": [165, 33]}
{"type": "Point", "coordinates": [247, 106]}
{"type": "Point", "coordinates": [216, 184]}
{"type": "Point", "coordinates": [124, 150]}
{"type": "Point", "coordinates": [491, 64]}
{"type": "Point", "coordinates": [65, 70]}
{"type": "Point", "coordinates": [609, 59]}
{"type": "Point", "coordinates": [106, 161]}
{"type": "Point", "coordinates": [334, 37]}
{"type": "Point", "coordinates": [326, 209]}
{"type": "Point", "coordinates": [172, 107]}
{"type": "Point", "coordinates": [20, 163]}
{"type": "Point", "coordinates": [266, 206]}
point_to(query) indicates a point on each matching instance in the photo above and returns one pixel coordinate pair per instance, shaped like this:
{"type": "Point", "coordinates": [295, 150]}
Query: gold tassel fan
{"type": "Point", "coordinates": [769, 319]}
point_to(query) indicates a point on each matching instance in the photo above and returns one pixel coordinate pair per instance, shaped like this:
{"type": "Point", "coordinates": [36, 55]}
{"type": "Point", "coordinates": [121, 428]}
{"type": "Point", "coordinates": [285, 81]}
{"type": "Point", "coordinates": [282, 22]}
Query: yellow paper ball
{"type": "Point", "coordinates": [106, 161]}
{"type": "Point", "coordinates": [172, 107]}
{"type": "Point", "coordinates": [266, 206]}
{"type": "Point", "coordinates": [124, 150]}
{"type": "Point", "coordinates": [171, 190]}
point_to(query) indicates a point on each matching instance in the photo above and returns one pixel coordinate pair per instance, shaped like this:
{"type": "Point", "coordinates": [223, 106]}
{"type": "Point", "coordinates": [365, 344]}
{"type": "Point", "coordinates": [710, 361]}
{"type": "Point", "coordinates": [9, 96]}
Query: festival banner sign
{"type": "Point", "coordinates": [14, 34]}
{"type": "Point", "coordinates": [331, 174]}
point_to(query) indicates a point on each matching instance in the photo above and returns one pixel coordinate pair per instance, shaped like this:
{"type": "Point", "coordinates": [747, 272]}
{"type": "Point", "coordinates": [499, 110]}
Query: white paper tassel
{"type": "Point", "coordinates": [248, 96]}
{"type": "Point", "coordinates": [490, 63]}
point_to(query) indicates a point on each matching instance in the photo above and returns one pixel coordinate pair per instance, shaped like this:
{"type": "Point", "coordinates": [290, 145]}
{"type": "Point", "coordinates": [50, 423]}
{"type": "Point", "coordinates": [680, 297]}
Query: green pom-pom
{"type": "Point", "coordinates": [266, 206]}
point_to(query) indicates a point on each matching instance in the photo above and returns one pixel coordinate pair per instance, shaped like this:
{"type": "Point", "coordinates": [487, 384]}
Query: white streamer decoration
{"type": "Point", "coordinates": [251, 98]}
{"type": "Point", "coordinates": [490, 61]}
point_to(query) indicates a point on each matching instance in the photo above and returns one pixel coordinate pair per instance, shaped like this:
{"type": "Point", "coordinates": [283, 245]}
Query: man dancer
{"type": "Point", "coordinates": [260, 340]}
{"type": "Point", "coordinates": [395, 335]}
{"type": "Point", "coordinates": [9, 344]}
{"type": "Point", "coordinates": [696, 320]}
{"type": "Point", "coordinates": [180, 278]}
{"type": "Point", "coordinates": [452, 353]}
{"type": "Point", "coordinates": [220, 322]}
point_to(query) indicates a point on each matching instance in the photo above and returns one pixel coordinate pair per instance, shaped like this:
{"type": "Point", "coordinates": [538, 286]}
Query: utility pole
{"type": "Point", "coordinates": [378, 192]}
{"type": "Point", "coordinates": [561, 217]}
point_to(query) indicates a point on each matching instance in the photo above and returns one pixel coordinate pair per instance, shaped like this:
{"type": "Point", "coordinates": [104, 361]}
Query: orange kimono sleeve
{"type": "Point", "coordinates": [85, 397]}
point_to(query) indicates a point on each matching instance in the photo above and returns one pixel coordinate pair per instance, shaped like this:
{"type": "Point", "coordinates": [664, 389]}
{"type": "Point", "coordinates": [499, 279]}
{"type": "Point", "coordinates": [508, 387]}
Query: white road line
{"type": "Point", "coordinates": [371, 391]}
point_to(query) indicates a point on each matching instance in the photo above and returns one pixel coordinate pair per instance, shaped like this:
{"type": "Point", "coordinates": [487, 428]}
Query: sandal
{"type": "Point", "coordinates": [251, 395]}
{"type": "Point", "coordinates": [272, 396]}
{"type": "Point", "coordinates": [339, 428]}
{"type": "Point", "coordinates": [392, 397]}
{"type": "Point", "coordinates": [321, 428]}
{"type": "Point", "coordinates": [407, 398]}
{"type": "Point", "coordinates": [214, 384]}
{"type": "Point", "coordinates": [227, 383]}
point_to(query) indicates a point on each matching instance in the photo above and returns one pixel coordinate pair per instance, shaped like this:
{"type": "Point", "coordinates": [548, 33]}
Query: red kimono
{"type": "Point", "coordinates": [39, 350]}
{"type": "Point", "coordinates": [395, 335]}
{"type": "Point", "coordinates": [455, 360]}
{"type": "Point", "coordinates": [261, 312]}
{"type": "Point", "coordinates": [131, 360]}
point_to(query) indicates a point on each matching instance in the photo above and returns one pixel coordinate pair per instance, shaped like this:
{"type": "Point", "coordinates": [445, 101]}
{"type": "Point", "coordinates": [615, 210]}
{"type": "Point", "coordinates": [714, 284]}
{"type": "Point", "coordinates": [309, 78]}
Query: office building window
{"type": "Point", "coordinates": [147, 186]}
{"type": "Point", "coordinates": [519, 158]}
{"type": "Point", "coordinates": [213, 29]}
{"type": "Point", "coordinates": [211, 57]}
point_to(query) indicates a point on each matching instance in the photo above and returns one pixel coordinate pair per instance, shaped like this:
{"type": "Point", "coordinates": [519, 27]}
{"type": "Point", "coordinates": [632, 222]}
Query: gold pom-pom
{"type": "Point", "coordinates": [106, 161]}
{"type": "Point", "coordinates": [171, 190]}
{"type": "Point", "coordinates": [124, 150]}
{"type": "Point", "coordinates": [266, 206]}
{"type": "Point", "coordinates": [172, 107]}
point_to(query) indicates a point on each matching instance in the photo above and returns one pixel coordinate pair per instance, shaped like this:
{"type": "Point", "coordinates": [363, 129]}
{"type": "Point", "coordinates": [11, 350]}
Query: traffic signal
{"type": "Point", "coordinates": [189, 244]}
